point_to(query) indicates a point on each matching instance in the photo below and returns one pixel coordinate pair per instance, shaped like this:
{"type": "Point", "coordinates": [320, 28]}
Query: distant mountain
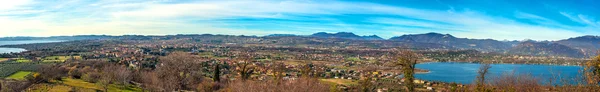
{"type": "Point", "coordinates": [78, 37]}
{"type": "Point", "coordinates": [588, 45]}
{"type": "Point", "coordinates": [280, 35]}
{"type": "Point", "coordinates": [545, 48]}
{"type": "Point", "coordinates": [487, 45]}
{"type": "Point", "coordinates": [372, 37]}
{"type": "Point", "coordinates": [345, 35]}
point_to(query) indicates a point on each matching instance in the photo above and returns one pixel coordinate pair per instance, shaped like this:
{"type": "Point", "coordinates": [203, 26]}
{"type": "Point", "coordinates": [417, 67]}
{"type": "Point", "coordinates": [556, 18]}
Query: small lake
{"type": "Point", "coordinates": [9, 50]}
{"type": "Point", "coordinates": [465, 73]}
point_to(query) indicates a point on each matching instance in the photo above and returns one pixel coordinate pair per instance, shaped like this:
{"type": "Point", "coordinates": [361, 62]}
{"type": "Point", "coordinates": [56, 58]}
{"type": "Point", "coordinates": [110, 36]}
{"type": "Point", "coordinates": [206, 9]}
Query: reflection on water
{"type": "Point", "coordinates": [465, 73]}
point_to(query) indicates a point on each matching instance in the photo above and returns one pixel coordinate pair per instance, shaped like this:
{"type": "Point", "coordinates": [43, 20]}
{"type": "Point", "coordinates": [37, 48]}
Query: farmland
{"type": "Point", "coordinates": [11, 68]}
{"type": "Point", "coordinates": [22, 60]}
{"type": "Point", "coordinates": [20, 75]}
{"type": "Point", "coordinates": [346, 82]}
{"type": "Point", "coordinates": [68, 84]}
{"type": "Point", "coordinates": [3, 59]}
{"type": "Point", "coordinates": [58, 58]}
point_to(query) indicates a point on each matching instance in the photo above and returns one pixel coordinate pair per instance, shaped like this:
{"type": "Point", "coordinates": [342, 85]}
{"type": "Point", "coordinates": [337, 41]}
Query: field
{"type": "Point", "coordinates": [3, 59]}
{"type": "Point", "coordinates": [346, 82]}
{"type": "Point", "coordinates": [58, 58]}
{"type": "Point", "coordinates": [22, 60]}
{"type": "Point", "coordinates": [78, 85]}
{"type": "Point", "coordinates": [20, 75]}
{"type": "Point", "coordinates": [7, 69]}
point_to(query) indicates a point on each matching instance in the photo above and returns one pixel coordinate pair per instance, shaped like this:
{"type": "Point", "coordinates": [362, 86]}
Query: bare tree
{"type": "Point", "coordinates": [245, 66]}
{"type": "Point", "coordinates": [367, 83]}
{"type": "Point", "coordinates": [278, 69]}
{"type": "Point", "coordinates": [511, 82]}
{"type": "Point", "coordinates": [114, 73]}
{"type": "Point", "coordinates": [47, 73]}
{"type": "Point", "coordinates": [482, 72]}
{"type": "Point", "coordinates": [179, 71]}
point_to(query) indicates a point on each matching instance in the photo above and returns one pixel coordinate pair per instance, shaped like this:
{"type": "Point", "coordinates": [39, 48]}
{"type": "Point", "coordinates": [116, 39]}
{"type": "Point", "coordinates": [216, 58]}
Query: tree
{"type": "Point", "coordinates": [114, 73]}
{"type": "Point", "coordinates": [482, 72]}
{"type": "Point", "coordinates": [245, 67]}
{"type": "Point", "coordinates": [592, 71]}
{"type": "Point", "coordinates": [278, 70]}
{"type": "Point", "coordinates": [407, 60]}
{"type": "Point", "coordinates": [367, 81]}
{"type": "Point", "coordinates": [45, 73]}
{"type": "Point", "coordinates": [217, 71]}
{"type": "Point", "coordinates": [179, 71]}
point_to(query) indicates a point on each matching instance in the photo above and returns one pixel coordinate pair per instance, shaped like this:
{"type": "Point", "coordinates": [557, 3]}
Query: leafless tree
{"type": "Point", "coordinates": [482, 72]}
{"type": "Point", "coordinates": [180, 71]}
{"type": "Point", "coordinates": [245, 66]}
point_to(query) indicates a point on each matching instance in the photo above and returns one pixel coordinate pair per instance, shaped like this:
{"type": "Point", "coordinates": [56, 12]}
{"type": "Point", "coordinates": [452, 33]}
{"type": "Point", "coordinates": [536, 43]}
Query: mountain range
{"type": "Point", "coordinates": [577, 47]}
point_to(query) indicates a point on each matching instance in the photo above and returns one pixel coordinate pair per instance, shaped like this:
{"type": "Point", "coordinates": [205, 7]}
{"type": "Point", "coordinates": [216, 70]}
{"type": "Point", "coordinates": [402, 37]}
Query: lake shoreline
{"type": "Point", "coordinates": [4, 49]}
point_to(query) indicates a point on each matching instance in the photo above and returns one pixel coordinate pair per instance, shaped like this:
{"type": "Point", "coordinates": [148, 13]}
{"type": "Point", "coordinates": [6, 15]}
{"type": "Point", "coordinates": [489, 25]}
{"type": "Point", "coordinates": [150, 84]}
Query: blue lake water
{"type": "Point", "coordinates": [9, 50]}
{"type": "Point", "coordinates": [466, 73]}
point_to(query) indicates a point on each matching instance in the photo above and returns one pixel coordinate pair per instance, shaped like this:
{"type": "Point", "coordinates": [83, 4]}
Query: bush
{"type": "Point", "coordinates": [516, 83]}
{"type": "Point", "coordinates": [91, 77]}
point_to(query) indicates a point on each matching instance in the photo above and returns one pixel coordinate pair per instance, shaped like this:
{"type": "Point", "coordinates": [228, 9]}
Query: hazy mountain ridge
{"type": "Point", "coordinates": [588, 45]}
{"type": "Point", "coordinates": [545, 48]}
{"type": "Point", "coordinates": [346, 35]}
{"type": "Point", "coordinates": [488, 45]}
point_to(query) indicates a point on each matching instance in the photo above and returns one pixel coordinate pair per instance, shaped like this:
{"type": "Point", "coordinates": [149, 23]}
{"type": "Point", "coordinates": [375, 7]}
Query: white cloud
{"type": "Point", "coordinates": [156, 17]}
{"type": "Point", "coordinates": [583, 19]}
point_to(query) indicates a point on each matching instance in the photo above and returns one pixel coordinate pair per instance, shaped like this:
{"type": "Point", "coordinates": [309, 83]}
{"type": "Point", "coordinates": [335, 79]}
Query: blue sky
{"type": "Point", "coordinates": [481, 19]}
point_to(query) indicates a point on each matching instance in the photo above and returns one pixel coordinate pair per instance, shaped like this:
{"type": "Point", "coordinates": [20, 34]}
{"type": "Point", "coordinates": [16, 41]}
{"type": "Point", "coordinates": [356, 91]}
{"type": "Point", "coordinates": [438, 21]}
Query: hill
{"type": "Point", "coordinates": [545, 48]}
{"type": "Point", "coordinates": [486, 45]}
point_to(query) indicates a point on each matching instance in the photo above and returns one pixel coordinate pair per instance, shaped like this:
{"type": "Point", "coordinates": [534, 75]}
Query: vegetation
{"type": "Point", "coordinates": [345, 82]}
{"type": "Point", "coordinates": [8, 69]}
{"type": "Point", "coordinates": [217, 63]}
{"type": "Point", "coordinates": [22, 60]}
{"type": "Point", "coordinates": [3, 59]}
{"type": "Point", "coordinates": [19, 75]}
{"type": "Point", "coordinates": [481, 77]}
{"type": "Point", "coordinates": [407, 60]}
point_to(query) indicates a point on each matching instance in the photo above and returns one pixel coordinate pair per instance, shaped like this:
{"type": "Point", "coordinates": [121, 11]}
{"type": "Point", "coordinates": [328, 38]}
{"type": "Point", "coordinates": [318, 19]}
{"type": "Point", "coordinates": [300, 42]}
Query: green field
{"type": "Point", "coordinates": [22, 60]}
{"type": "Point", "coordinates": [77, 85]}
{"type": "Point", "coordinates": [20, 75]}
{"type": "Point", "coordinates": [112, 88]}
{"type": "Point", "coordinates": [7, 69]}
{"type": "Point", "coordinates": [58, 58]}
{"type": "Point", "coordinates": [346, 82]}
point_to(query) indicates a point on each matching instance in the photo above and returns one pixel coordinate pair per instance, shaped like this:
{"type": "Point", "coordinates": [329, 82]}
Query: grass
{"type": "Point", "coordinates": [22, 60]}
{"type": "Point", "coordinates": [20, 75]}
{"type": "Point", "coordinates": [346, 82]}
{"type": "Point", "coordinates": [59, 58]}
{"type": "Point", "coordinates": [87, 85]}
{"type": "Point", "coordinates": [3, 59]}
{"type": "Point", "coordinates": [80, 83]}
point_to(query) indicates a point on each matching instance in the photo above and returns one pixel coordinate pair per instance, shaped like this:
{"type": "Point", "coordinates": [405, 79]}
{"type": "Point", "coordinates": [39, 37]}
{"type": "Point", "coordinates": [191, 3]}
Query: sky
{"type": "Point", "coordinates": [477, 19]}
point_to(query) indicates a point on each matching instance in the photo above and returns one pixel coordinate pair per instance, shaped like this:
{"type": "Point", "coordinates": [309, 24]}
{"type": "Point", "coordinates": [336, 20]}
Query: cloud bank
{"type": "Point", "coordinates": [263, 17]}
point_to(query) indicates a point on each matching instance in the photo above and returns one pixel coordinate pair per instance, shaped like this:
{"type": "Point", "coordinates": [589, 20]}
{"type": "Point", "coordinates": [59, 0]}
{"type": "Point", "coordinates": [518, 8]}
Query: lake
{"type": "Point", "coordinates": [466, 73]}
{"type": "Point", "coordinates": [9, 50]}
